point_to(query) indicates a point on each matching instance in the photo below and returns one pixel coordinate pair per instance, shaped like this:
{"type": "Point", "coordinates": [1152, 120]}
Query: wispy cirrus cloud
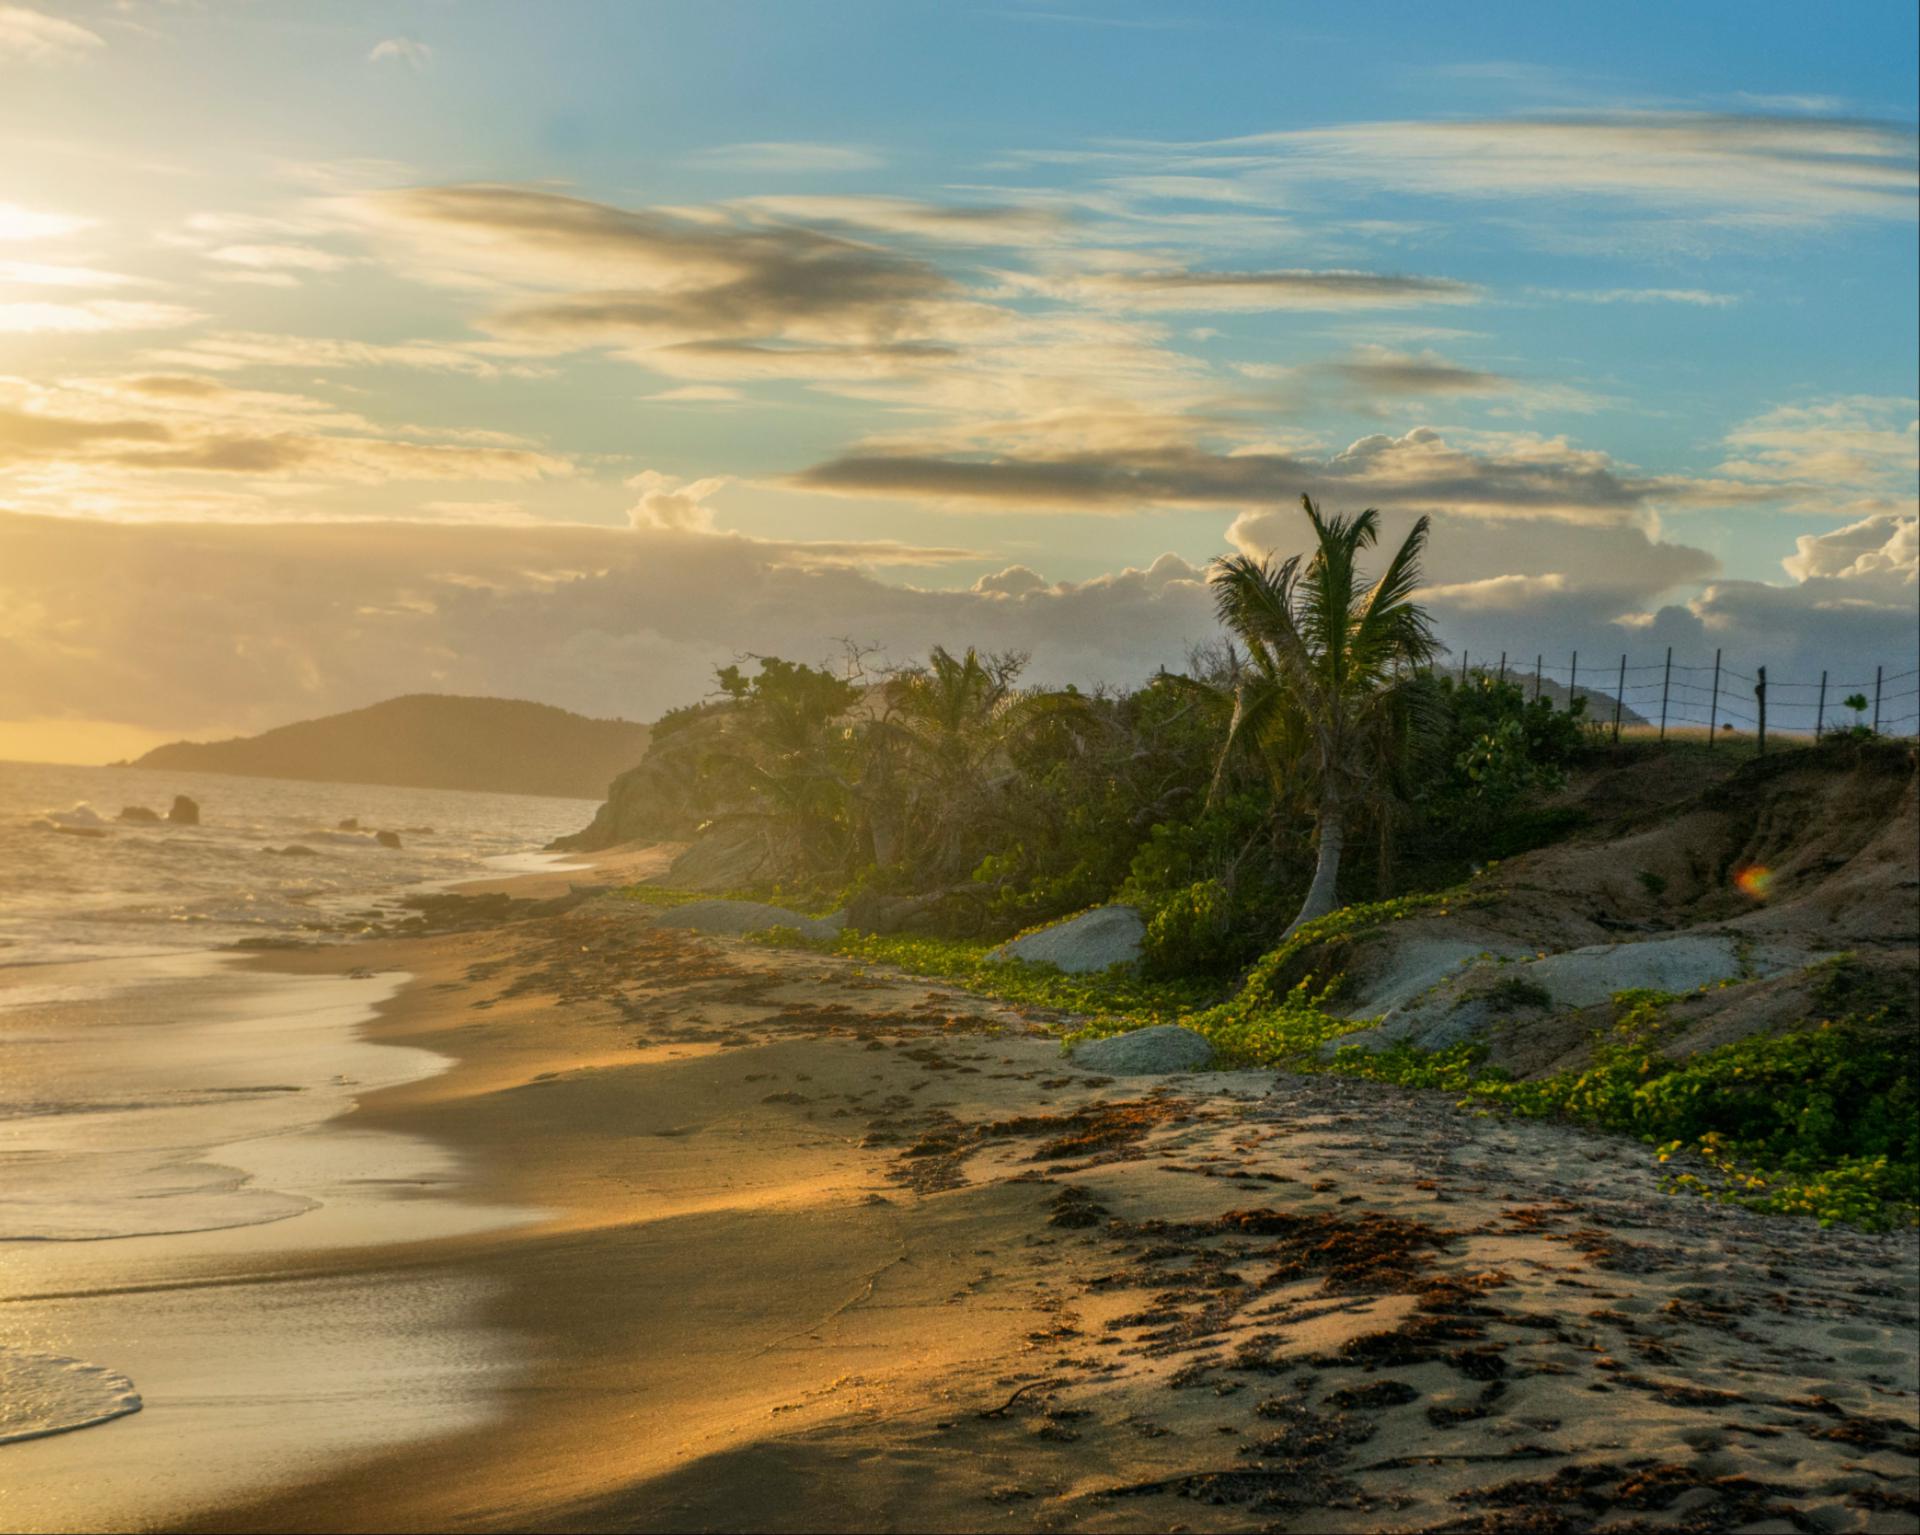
{"type": "Point", "coordinates": [34, 37]}
{"type": "Point", "coordinates": [91, 316]}
{"type": "Point", "coordinates": [789, 157]}
{"type": "Point", "coordinates": [161, 423]}
{"type": "Point", "coordinates": [1799, 166]}
{"type": "Point", "coordinates": [225, 351]}
{"type": "Point", "coordinates": [1189, 290]}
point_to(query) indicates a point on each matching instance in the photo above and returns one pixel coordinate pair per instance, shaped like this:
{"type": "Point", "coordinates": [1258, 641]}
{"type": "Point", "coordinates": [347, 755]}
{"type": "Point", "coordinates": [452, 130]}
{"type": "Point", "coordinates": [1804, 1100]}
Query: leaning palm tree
{"type": "Point", "coordinates": [1325, 688]}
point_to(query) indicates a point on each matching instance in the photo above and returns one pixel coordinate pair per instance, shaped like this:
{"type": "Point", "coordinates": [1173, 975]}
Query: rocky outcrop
{"type": "Point", "coordinates": [733, 918]}
{"type": "Point", "coordinates": [1095, 940]}
{"type": "Point", "coordinates": [138, 814]}
{"type": "Point", "coordinates": [1146, 1052]}
{"type": "Point", "coordinates": [185, 812]}
{"type": "Point", "coordinates": [659, 798]}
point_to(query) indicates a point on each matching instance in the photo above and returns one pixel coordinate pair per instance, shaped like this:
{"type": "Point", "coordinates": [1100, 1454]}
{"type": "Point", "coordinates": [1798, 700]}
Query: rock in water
{"type": "Point", "coordinates": [1146, 1052]}
{"type": "Point", "coordinates": [184, 812]}
{"type": "Point", "coordinates": [352, 823]}
{"type": "Point", "coordinates": [387, 838]}
{"type": "Point", "coordinates": [1092, 941]}
{"type": "Point", "coordinates": [138, 813]}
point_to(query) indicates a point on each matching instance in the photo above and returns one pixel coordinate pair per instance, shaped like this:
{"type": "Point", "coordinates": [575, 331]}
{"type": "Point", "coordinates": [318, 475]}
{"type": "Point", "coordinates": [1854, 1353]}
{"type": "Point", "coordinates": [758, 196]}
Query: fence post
{"type": "Point", "coordinates": [1820, 713]}
{"type": "Point", "coordinates": [1573, 682]}
{"type": "Point", "coordinates": [1760, 698]}
{"type": "Point", "coordinates": [1713, 709]}
{"type": "Point", "coordinates": [1536, 677]}
{"type": "Point", "coordinates": [1463, 668]}
{"type": "Point", "coordinates": [1666, 682]}
{"type": "Point", "coordinates": [1619, 693]}
{"type": "Point", "coordinates": [1503, 666]}
{"type": "Point", "coordinates": [1876, 699]}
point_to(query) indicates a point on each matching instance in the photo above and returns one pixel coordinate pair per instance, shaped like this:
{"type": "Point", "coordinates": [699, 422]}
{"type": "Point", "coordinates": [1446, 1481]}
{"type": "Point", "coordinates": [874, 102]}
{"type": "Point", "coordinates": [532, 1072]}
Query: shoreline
{"type": "Point", "coordinates": [830, 1249]}
{"type": "Point", "coordinates": [826, 1249]}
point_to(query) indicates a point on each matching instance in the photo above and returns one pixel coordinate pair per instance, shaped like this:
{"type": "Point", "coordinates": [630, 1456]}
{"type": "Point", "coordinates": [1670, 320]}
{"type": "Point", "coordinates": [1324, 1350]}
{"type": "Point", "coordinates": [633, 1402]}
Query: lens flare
{"type": "Point", "coordinates": [1754, 880]}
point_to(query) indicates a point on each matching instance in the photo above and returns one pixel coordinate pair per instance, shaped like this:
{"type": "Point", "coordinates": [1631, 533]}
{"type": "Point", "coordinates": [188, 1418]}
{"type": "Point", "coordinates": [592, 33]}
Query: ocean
{"type": "Point", "coordinates": [77, 883]}
{"type": "Point", "coordinates": [152, 1090]}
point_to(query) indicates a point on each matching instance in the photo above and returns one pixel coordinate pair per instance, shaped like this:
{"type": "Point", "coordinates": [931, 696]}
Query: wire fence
{"type": "Point", "coordinates": [1716, 698]}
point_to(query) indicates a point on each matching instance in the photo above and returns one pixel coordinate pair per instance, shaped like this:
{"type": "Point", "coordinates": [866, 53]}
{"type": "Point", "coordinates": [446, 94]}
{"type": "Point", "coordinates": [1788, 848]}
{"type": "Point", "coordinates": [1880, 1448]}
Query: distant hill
{"type": "Point", "coordinates": [431, 741]}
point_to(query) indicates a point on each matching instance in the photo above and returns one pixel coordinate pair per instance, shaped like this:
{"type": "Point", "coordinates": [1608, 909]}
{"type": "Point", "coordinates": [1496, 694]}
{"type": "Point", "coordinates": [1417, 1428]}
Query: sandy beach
{"type": "Point", "coordinates": [723, 1237]}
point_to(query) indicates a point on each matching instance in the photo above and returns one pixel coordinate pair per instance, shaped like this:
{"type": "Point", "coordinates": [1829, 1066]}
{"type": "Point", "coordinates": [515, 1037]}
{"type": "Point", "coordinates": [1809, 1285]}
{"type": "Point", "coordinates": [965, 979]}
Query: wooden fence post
{"type": "Point", "coordinates": [1573, 682]}
{"type": "Point", "coordinates": [1503, 666]}
{"type": "Point", "coordinates": [1666, 683]}
{"type": "Point", "coordinates": [1713, 709]}
{"type": "Point", "coordinates": [1618, 694]}
{"type": "Point", "coordinates": [1820, 713]}
{"type": "Point", "coordinates": [1463, 668]}
{"type": "Point", "coordinates": [1536, 677]}
{"type": "Point", "coordinates": [1760, 698]}
{"type": "Point", "coordinates": [1876, 699]}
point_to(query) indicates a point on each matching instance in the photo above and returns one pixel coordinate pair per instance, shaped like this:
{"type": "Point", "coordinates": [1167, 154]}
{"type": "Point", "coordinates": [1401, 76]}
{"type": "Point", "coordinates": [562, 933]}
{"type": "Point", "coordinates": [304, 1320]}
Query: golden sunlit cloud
{"type": "Point", "coordinates": [18, 223]}
{"type": "Point", "coordinates": [94, 316]}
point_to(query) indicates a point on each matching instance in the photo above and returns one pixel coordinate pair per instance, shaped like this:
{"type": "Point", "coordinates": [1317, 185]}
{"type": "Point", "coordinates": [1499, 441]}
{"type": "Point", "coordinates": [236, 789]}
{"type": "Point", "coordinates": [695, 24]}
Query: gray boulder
{"type": "Point", "coordinates": [736, 917]}
{"type": "Point", "coordinates": [1092, 941]}
{"type": "Point", "coordinates": [1467, 1001]}
{"type": "Point", "coordinates": [1146, 1052]}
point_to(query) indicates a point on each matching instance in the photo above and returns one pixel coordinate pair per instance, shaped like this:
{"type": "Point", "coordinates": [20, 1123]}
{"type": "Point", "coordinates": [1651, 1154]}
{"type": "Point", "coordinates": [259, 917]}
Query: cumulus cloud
{"type": "Point", "coordinates": [668, 503]}
{"type": "Point", "coordinates": [407, 51]}
{"type": "Point", "coordinates": [109, 622]}
{"type": "Point", "coordinates": [34, 37]}
{"type": "Point", "coordinates": [1014, 581]}
{"type": "Point", "coordinates": [1884, 549]}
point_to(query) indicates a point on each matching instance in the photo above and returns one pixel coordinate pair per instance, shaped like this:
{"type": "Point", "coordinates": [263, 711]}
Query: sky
{"type": "Point", "coordinates": [569, 351]}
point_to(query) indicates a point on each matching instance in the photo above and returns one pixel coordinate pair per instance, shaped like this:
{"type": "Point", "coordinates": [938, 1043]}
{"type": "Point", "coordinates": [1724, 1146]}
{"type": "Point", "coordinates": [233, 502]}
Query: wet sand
{"type": "Point", "coordinates": [829, 1250]}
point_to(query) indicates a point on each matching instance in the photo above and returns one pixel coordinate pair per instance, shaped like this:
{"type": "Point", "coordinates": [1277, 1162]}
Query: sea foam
{"type": "Point", "coordinates": [43, 1394]}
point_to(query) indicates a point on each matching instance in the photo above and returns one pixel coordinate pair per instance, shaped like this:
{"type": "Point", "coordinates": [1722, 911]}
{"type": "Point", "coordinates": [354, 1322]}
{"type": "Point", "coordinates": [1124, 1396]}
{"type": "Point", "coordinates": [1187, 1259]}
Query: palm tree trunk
{"type": "Point", "coordinates": [1322, 895]}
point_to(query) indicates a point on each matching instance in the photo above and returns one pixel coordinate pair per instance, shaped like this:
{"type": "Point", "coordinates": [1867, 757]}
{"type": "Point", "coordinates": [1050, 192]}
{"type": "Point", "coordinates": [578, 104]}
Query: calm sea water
{"type": "Point", "coordinates": [104, 888]}
{"type": "Point", "coordinates": [159, 1093]}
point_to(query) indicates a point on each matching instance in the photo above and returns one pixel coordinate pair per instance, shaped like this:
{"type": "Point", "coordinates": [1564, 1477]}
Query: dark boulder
{"type": "Point", "coordinates": [138, 813]}
{"type": "Point", "coordinates": [184, 812]}
{"type": "Point", "coordinates": [387, 838]}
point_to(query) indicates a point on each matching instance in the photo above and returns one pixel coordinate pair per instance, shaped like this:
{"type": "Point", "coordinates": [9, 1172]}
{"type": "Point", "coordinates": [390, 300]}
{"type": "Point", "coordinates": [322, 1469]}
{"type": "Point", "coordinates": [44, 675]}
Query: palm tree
{"type": "Point", "coordinates": [1324, 697]}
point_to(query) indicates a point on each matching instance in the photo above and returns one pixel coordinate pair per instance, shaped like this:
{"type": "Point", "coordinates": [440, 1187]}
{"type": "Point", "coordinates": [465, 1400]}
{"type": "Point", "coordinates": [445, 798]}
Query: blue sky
{"type": "Point", "coordinates": [1000, 317]}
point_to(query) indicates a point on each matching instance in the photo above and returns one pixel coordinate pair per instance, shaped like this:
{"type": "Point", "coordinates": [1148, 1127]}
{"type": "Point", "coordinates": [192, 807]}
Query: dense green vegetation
{"type": "Point", "coordinates": [1315, 755]}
